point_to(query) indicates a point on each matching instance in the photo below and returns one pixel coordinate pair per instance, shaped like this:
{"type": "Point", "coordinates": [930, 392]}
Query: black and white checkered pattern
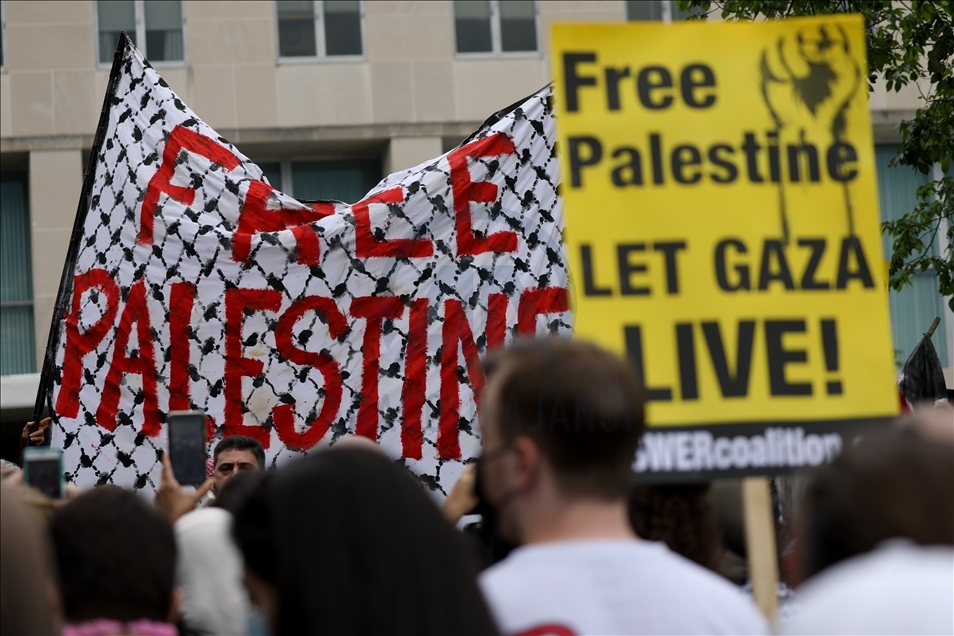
{"type": "Point", "coordinates": [193, 244]}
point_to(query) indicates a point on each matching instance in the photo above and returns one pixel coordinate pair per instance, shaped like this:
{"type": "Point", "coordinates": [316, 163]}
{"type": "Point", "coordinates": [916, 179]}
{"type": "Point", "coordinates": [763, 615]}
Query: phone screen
{"type": "Point", "coordinates": [45, 474]}
{"type": "Point", "coordinates": [187, 447]}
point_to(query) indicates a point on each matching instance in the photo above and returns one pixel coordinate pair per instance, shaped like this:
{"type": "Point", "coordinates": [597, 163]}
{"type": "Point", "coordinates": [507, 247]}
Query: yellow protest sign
{"type": "Point", "coordinates": [722, 217]}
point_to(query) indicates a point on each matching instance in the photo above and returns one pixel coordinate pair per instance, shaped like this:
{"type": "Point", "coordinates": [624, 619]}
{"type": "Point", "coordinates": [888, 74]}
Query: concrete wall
{"type": "Point", "coordinates": [56, 178]}
{"type": "Point", "coordinates": [232, 77]}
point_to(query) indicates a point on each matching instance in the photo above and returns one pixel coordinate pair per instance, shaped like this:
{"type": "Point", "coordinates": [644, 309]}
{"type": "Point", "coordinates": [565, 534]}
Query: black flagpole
{"type": "Point", "coordinates": [44, 391]}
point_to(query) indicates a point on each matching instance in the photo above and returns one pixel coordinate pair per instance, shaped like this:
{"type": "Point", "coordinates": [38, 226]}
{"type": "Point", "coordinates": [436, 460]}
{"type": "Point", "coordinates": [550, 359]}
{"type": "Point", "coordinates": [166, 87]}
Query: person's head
{"type": "Point", "coordinates": [896, 484]}
{"type": "Point", "coordinates": [237, 490]}
{"type": "Point", "coordinates": [209, 572]}
{"type": "Point", "coordinates": [680, 516]}
{"type": "Point", "coordinates": [935, 423]}
{"type": "Point", "coordinates": [556, 414]}
{"type": "Point", "coordinates": [233, 455]}
{"type": "Point", "coordinates": [116, 556]}
{"type": "Point", "coordinates": [345, 541]}
{"type": "Point", "coordinates": [7, 469]}
{"type": "Point", "coordinates": [358, 442]}
{"type": "Point", "coordinates": [26, 577]}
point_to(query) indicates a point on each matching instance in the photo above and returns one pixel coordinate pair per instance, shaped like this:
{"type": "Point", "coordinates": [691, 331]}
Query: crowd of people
{"type": "Point", "coordinates": [348, 541]}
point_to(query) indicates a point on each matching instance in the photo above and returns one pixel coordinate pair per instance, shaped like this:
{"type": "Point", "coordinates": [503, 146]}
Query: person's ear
{"type": "Point", "coordinates": [176, 605]}
{"type": "Point", "coordinates": [528, 460]}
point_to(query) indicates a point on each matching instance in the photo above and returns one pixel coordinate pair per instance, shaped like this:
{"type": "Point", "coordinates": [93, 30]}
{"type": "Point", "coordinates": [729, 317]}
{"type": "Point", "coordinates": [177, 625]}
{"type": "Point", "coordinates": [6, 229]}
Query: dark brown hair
{"type": "Point", "coordinates": [354, 546]}
{"type": "Point", "coordinates": [892, 485]}
{"type": "Point", "coordinates": [581, 404]}
{"type": "Point", "coordinates": [237, 490]}
{"type": "Point", "coordinates": [240, 443]}
{"type": "Point", "coordinates": [680, 516]}
{"type": "Point", "coordinates": [116, 556]}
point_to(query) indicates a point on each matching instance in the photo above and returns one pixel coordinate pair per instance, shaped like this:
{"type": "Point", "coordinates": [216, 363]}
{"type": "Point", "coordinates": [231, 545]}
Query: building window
{"type": "Point", "coordinates": [495, 26]}
{"type": "Point", "coordinates": [17, 349]}
{"type": "Point", "coordinates": [155, 26]}
{"type": "Point", "coordinates": [345, 180]}
{"type": "Point", "coordinates": [272, 170]}
{"type": "Point", "coordinates": [916, 305]}
{"type": "Point", "coordinates": [321, 28]}
{"type": "Point", "coordinates": [656, 11]}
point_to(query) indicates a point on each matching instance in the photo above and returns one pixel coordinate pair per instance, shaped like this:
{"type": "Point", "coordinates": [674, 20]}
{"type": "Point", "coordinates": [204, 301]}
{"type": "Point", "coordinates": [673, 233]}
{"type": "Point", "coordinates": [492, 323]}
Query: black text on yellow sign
{"type": "Point", "coordinates": [722, 219]}
{"type": "Point", "coordinates": [653, 162]}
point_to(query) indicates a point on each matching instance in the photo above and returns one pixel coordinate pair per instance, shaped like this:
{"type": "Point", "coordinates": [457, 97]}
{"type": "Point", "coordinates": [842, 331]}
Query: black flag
{"type": "Point", "coordinates": [922, 378]}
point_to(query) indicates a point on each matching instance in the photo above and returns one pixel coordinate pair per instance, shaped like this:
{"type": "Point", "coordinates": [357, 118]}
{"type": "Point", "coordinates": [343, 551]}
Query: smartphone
{"type": "Point", "coordinates": [187, 446]}
{"type": "Point", "coordinates": [43, 470]}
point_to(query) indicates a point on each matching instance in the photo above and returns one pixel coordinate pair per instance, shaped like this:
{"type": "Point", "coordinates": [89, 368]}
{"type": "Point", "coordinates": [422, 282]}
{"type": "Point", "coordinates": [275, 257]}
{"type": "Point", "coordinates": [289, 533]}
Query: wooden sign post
{"type": "Point", "coordinates": [760, 543]}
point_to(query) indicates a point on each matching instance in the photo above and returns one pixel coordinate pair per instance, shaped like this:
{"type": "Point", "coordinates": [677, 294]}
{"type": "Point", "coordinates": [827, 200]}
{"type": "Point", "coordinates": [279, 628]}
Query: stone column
{"type": "Point", "coordinates": [56, 178]}
{"type": "Point", "coordinates": [407, 152]}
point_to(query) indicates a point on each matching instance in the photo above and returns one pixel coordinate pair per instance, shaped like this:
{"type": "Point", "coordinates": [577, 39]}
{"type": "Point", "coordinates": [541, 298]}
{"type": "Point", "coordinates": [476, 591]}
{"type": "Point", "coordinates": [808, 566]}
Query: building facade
{"type": "Point", "coordinates": [327, 96]}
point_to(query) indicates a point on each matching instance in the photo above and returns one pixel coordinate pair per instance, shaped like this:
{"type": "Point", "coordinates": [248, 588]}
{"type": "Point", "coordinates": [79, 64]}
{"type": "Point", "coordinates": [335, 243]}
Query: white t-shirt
{"type": "Point", "coordinates": [900, 588]}
{"type": "Point", "coordinates": [570, 588]}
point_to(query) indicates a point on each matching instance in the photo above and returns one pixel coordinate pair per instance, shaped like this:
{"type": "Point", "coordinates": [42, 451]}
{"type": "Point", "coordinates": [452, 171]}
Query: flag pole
{"type": "Point", "coordinates": [44, 392]}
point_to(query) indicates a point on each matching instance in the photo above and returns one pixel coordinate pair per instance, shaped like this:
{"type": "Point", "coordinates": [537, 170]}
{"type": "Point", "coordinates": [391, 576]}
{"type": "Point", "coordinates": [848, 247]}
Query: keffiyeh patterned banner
{"type": "Point", "coordinates": [194, 284]}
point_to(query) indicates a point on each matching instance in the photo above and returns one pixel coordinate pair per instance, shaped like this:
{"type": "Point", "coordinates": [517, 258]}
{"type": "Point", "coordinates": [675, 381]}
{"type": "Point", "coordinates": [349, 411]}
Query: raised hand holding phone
{"type": "Point", "coordinates": [183, 464]}
{"type": "Point", "coordinates": [187, 446]}
{"type": "Point", "coordinates": [172, 498]}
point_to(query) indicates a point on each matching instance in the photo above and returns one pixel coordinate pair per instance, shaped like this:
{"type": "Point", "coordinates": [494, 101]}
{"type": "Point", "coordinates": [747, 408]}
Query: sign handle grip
{"type": "Point", "coordinates": [760, 543]}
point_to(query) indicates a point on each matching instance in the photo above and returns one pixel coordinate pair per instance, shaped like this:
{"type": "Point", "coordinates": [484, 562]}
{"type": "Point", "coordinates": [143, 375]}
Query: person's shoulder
{"type": "Point", "coordinates": [897, 587]}
{"type": "Point", "coordinates": [704, 581]}
{"type": "Point", "coordinates": [893, 568]}
{"type": "Point", "coordinates": [521, 563]}
{"type": "Point", "coordinates": [535, 567]}
{"type": "Point", "coordinates": [708, 593]}
{"type": "Point", "coordinates": [643, 580]}
{"type": "Point", "coordinates": [203, 519]}
{"type": "Point", "coordinates": [547, 565]}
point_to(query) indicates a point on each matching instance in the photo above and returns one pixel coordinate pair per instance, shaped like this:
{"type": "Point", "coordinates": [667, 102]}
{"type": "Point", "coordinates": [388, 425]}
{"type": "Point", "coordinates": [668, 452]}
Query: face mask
{"type": "Point", "coordinates": [483, 506]}
{"type": "Point", "coordinates": [497, 547]}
